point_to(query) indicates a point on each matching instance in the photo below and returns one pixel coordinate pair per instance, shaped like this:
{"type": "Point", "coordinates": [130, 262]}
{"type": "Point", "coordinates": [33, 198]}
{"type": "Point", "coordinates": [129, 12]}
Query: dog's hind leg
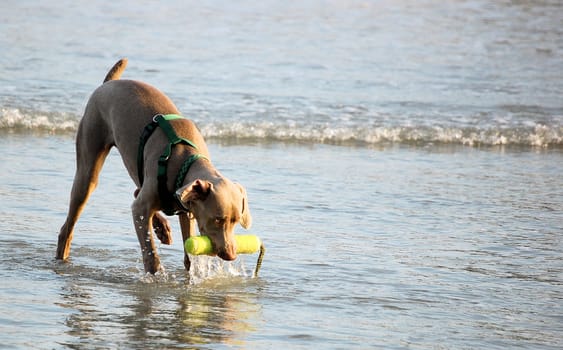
{"type": "Point", "coordinates": [162, 228]}
{"type": "Point", "coordinates": [91, 151]}
{"type": "Point", "coordinates": [160, 225]}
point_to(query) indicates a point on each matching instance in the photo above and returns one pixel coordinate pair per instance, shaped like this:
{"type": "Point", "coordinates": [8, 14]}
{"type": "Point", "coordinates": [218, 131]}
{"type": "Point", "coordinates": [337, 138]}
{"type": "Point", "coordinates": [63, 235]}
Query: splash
{"type": "Point", "coordinates": [160, 277]}
{"type": "Point", "coordinates": [203, 269]}
{"type": "Point", "coordinates": [207, 267]}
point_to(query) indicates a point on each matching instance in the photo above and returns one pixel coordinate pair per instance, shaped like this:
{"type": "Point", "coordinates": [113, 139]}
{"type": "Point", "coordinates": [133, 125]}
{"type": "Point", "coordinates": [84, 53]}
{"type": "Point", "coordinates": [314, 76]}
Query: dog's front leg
{"type": "Point", "coordinates": [187, 225]}
{"type": "Point", "coordinates": [142, 218]}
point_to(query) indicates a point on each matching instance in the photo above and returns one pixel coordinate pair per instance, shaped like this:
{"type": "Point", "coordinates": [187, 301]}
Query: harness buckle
{"type": "Point", "coordinates": [183, 208]}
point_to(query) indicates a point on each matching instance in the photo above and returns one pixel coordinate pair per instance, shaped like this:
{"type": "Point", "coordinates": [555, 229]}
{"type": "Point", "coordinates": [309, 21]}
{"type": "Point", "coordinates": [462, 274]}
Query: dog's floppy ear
{"type": "Point", "coordinates": [197, 190]}
{"type": "Point", "coordinates": [246, 218]}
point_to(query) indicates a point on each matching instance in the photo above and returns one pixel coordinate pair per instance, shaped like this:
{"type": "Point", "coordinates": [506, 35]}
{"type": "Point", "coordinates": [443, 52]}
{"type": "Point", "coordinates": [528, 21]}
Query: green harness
{"type": "Point", "coordinates": [167, 199]}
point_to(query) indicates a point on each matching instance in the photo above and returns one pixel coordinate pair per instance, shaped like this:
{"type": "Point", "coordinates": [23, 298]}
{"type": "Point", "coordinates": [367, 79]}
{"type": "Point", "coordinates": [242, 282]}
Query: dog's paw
{"type": "Point", "coordinates": [162, 229]}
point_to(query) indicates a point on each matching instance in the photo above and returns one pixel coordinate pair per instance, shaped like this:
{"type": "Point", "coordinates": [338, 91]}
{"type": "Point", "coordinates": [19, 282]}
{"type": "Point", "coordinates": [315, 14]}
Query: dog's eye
{"type": "Point", "coordinates": [219, 222]}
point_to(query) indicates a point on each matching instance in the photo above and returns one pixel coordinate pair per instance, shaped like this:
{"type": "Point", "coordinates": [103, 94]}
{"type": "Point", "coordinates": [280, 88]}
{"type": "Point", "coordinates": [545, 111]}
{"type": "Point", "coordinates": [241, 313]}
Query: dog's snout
{"type": "Point", "coordinates": [227, 255]}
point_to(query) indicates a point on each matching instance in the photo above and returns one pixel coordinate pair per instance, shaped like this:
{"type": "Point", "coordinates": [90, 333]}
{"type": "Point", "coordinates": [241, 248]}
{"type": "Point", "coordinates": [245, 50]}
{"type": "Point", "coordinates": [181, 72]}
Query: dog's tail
{"type": "Point", "coordinates": [116, 71]}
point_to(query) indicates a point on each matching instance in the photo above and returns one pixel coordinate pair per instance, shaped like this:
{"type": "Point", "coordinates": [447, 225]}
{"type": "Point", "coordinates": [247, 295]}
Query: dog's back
{"type": "Point", "coordinates": [119, 110]}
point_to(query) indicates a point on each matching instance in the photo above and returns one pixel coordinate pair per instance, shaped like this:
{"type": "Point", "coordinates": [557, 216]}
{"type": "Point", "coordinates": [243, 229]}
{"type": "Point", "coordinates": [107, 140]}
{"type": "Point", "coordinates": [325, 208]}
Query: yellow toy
{"type": "Point", "coordinates": [246, 244]}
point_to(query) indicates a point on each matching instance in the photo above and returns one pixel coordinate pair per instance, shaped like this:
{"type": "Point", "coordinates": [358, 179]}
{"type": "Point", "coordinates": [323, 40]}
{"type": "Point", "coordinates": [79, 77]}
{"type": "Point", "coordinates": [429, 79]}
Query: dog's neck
{"type": "Point", "coordinates": [202, 169]}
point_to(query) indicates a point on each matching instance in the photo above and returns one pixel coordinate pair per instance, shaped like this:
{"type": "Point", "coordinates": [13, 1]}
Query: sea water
{"type": "Point", "coordinates": [403, 163]}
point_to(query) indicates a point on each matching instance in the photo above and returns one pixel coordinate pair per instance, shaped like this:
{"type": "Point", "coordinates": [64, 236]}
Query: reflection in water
{"type": "Point", "coordinates": [170, 314]}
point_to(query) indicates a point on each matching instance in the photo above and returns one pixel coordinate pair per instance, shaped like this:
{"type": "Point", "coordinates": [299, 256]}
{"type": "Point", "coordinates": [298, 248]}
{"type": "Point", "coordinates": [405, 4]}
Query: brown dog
{"type": "Point", "coordinates": [134, 117]}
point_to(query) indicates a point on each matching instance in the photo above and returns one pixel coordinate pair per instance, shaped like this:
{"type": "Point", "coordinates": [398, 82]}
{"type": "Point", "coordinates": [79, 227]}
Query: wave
{"type": "Point", "coordinates": [540, 135]}
{"type": "Point", "coordinates": [536, 135]}
{"type": "Point", "coordinates": [16, 120]}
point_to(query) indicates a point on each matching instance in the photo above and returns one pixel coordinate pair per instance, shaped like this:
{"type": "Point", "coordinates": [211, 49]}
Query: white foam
{"type": "Point", "coordinates": [14, 119]}
{"type": "Point", "coordinates": [539, 135]}
{"type": "Point", "coordinates": [314, 131]}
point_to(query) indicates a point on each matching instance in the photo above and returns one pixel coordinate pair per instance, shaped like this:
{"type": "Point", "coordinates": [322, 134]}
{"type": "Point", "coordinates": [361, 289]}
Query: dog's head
{"type": "Point", "coordinates": [217, 206]}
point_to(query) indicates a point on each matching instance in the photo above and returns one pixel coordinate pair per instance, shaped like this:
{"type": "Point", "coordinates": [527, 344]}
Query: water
{"type": "Point", "coordinates": [403, 162]}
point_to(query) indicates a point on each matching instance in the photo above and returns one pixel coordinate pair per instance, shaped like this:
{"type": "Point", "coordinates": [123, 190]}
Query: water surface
{"type": "Point", "coordinates": [403, 162]}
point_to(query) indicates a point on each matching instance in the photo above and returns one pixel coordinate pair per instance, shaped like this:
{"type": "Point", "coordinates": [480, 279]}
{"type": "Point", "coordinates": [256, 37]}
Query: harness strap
{"type": "Point", "coordinates": [162, 121]}
{"type": "Point", "coordinates": [186, 167]}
